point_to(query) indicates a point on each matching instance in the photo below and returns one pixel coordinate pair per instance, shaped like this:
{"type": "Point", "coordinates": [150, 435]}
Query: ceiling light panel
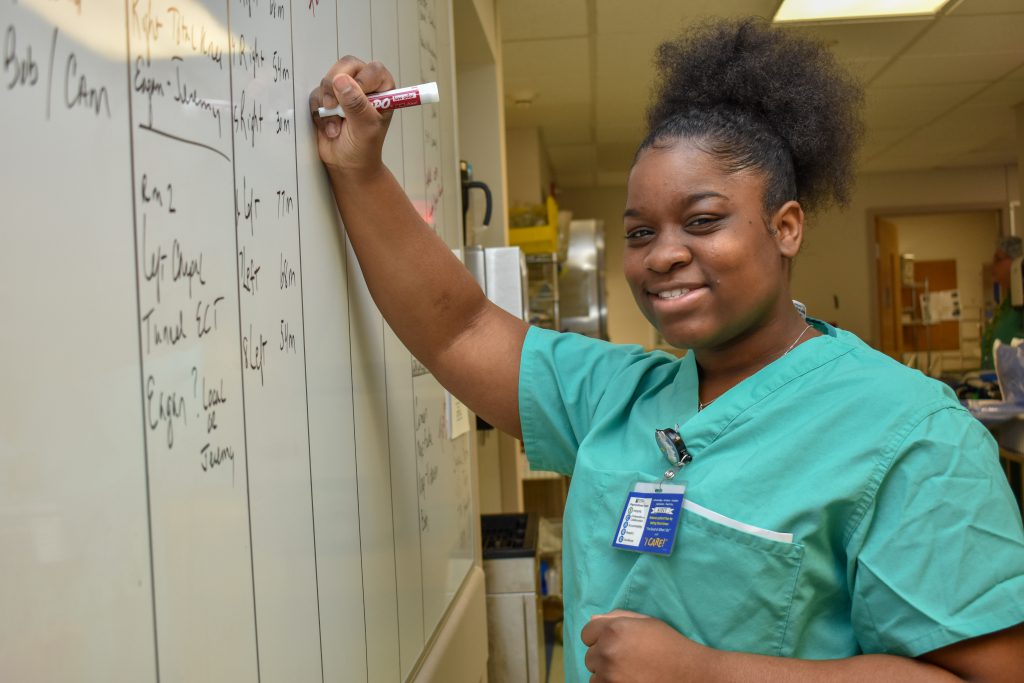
{"type": "Point", "coordinates": [847, 10]}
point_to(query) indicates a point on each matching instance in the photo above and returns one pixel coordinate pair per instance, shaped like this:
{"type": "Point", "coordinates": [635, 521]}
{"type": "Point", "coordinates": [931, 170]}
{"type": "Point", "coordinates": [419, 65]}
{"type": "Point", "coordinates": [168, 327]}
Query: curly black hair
{"type": "Point", "coordinates": [759, 97]}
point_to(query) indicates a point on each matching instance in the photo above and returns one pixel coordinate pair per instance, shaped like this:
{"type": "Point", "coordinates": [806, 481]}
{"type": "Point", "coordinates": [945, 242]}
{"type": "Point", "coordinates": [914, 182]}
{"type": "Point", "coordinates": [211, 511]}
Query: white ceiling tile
{"type": "Point", "coordinates": [576, 178]}
{"type": "Point", "coordinates": [667, 17]}
{"type": "Point", "coordinates": [615, 156]}
{"type": "Point", "coordinates": [612, 125]}
{"type": "Point", "coordinates": [567, 132]}
{"type": "Point", "coordinates": [965, 130]}
{"type": "Point", "coordinates": [999, 158]}
{"type": "Point", "coordinates": [913, 105]}
{"type": "Point", "coordinates": [631, 133]}
{"type": "Point", "coordinates": [624, 80]}
{"type": "Point", "coordinates": [1017, 75]}
{"type": "Point", "coordinates": [628, 111]}
{"type": "Point", "coordinates": [874, 40]}
{"type": "Point", "coordinates": [611, 179]}
{"type": "Point", "coordinates": [635, 64]}
{"type": "Point", "coordinates": [1006, 93]}
{"type": "Point", "coordinates": [576, 114]}
{"type": "Point", "coordinates": [864, 70]}
{"type": "Point", "coordinates": [573, 156]}
{"type": "Point", "coordinates": [532, 19]}
{"type": "Point", "coordinates": [965, 68]}
{"type": "Point", "coordinates": [986, 122]}
{"type": "Point", "coordinates": [926, 144]}
{"type": "Point", "coordinates": [554, 71]}
{"type": "Point", "coordinates": [903, 163]}
{"type": "Point", "coordinates": [886, 135]}
{"type": "Point", "coordinates": [988, 7]}
{"type": "Point", "coordinates": [959, 35]}
{"type": "Point", "coordinates": [879, 139]}
{"type": "Point", "coordinates": [999, 145]}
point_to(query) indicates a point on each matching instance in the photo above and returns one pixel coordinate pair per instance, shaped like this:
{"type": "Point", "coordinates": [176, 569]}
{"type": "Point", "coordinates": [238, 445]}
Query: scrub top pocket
{"type": "Point", "coordinates": [724, 587]}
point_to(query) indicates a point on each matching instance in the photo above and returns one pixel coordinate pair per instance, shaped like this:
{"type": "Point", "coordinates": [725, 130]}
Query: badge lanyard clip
{"type": "Point", "coordinates": [650, 517]}
{"type": "Point", "coordinates": [674, 449]}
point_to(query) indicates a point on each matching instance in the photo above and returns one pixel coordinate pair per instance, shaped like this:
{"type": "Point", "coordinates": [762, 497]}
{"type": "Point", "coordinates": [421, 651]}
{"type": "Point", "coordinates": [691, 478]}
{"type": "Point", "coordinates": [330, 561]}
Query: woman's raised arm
{"type": "Point", "coordinates": [430, 300]}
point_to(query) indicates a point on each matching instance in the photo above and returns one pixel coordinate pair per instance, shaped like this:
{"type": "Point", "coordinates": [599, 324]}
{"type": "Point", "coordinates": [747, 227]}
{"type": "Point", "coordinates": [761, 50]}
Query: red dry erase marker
{"type": "Point", "coordinates": [413, 96]}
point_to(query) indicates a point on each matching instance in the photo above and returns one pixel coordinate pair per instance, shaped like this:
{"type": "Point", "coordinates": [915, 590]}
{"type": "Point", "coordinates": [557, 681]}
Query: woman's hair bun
{"type": "Point", "coordinates": [747, 69]}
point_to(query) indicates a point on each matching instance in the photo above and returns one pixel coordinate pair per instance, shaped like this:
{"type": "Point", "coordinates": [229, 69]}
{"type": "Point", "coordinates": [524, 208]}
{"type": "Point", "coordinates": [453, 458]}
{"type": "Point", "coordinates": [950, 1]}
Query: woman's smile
{"type": "Point", "coordinates": [677, 299]}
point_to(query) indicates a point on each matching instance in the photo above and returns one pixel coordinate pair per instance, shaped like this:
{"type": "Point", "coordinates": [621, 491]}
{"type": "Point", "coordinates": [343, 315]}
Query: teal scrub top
{"type": "Point", "coordinates": [905, 536]}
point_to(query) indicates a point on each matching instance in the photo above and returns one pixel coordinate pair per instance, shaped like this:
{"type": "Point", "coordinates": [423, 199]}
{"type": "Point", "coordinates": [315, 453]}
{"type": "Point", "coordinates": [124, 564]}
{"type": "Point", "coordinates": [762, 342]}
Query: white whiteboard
{"type": "Point", "coordinates": [216, 461]}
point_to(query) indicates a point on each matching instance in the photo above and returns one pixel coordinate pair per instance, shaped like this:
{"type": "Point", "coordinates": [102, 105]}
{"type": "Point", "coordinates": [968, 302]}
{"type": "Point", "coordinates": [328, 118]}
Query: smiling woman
{"type": "Point", "coordinates": [827, 522]}
{"type": "Point", "coordinates": [750, 127]}
{"type": "Point", "coordinates": [705, 267]}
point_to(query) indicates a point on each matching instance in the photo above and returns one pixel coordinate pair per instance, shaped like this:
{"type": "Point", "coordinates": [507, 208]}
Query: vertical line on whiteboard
{"type": "Point", "coordinates": [391, 481]}
{"type": "Point", "coordinates": [49, 87]}
{"type": "Point", "coordinates": [351, 375]}
{"type": "Point", "coordinates": [387, 422]}
{"type": "Point", "coordinates": [355, 457]}
{"type": "Point", "coordinates": [241, 368]}
{"type": "Point", "coordinates": [355, 454]}
{"type": "Point", "coordinates": [387, 403]}
{"type": "Point", "coordinates": [362, 575]}
{"type": "Point", "coordinates": [419, 501]}
{"type": "Point", "coordinates": [305, 359]}
{"type": "Point", "coordinates": [138, 310]}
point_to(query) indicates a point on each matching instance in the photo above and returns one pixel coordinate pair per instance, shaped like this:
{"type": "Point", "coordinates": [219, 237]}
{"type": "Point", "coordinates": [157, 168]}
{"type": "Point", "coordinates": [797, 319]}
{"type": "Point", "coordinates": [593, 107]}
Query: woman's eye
{"type": "Point", "coordinates": [637, 234]}
{"type": "Point", "coordinates": [698, 223]}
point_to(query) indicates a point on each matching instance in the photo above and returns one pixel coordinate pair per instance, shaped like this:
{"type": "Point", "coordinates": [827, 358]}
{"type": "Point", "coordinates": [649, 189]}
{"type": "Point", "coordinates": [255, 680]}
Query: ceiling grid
{"type": "Point", "coordinates": [940, 91]}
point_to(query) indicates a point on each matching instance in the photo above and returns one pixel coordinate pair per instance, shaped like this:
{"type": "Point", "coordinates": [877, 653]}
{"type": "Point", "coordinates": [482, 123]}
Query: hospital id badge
{"type": "Point", "coordinates": [650, 519]}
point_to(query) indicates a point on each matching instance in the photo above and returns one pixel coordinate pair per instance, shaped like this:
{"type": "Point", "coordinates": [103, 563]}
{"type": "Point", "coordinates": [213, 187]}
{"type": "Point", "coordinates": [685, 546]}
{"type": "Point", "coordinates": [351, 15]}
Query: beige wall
{"type": "Point", "coordinates": [838, 256]}
{"type": "Point", "coordinates": [529, 173]}
{"type": "Point", "coordinates": [837, 260]}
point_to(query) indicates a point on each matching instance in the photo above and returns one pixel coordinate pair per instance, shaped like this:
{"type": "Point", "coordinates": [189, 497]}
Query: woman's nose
{"type": "Point", "coordinates": [667, 254]}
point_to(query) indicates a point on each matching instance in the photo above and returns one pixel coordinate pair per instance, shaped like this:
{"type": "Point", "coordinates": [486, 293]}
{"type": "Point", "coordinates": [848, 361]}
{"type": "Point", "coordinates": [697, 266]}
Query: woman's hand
{"type": "Point", "coordinates": [626, 646]}
{"type": "Point", "coordinates": [351, 144]}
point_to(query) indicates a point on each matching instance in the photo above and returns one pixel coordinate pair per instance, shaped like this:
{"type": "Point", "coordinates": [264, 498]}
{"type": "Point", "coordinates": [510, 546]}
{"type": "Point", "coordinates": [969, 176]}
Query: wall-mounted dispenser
{"type": "Point", "coordinates": [466, 172]}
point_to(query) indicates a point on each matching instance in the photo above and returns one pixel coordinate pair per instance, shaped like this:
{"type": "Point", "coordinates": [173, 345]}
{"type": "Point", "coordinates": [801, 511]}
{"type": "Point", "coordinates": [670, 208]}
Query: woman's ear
{"type": "Point", "coordinates": [788, 227]}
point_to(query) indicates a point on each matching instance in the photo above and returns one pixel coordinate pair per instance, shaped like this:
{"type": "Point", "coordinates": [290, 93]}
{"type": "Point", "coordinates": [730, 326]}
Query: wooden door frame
{"type": "Point", "coordinates": [888, 281]}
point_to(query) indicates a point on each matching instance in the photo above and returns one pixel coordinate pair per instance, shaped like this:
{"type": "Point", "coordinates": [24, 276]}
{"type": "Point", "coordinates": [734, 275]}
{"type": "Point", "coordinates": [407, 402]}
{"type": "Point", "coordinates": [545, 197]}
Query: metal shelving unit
{"type": "Point", "coordinates": [542, 290]}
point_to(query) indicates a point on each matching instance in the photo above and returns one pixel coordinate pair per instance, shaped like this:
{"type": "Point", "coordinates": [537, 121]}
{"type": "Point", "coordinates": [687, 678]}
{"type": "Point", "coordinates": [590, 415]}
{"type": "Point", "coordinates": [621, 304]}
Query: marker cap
{"type": "Point", "coordinates": [428, 93]}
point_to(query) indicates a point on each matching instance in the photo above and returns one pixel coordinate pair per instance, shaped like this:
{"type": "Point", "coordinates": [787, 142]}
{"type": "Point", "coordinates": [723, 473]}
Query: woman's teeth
{"type": "Point", "coordinates": [673, 293]}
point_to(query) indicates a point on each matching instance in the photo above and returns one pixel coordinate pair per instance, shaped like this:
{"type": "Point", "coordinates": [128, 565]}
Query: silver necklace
{"type": "Point", "coordinates": [702, 405]}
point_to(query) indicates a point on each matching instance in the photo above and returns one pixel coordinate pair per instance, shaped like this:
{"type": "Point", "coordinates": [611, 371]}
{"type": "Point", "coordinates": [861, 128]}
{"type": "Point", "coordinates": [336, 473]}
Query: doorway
{"type": "Point", "coordinates": [934, 286]}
